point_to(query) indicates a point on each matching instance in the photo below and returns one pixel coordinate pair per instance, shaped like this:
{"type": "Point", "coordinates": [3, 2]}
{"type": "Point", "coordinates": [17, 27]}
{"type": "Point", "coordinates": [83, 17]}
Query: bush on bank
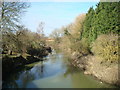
{"type": "Point", "coordinates": [81, 47]}
{"type": "Point", "coordinates": [106, 46]}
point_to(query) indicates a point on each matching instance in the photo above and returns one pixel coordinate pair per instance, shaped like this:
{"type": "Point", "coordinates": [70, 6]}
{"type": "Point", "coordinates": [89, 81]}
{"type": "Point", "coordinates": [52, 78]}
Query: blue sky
{"type": "Point", "coordinates": [53, 14]}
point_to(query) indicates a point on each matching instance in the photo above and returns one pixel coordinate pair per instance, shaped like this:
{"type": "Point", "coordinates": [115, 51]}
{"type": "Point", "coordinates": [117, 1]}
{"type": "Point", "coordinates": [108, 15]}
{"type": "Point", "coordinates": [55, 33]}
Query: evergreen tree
{"type": "Point", "coordinates": [106, 18]}
{"type": "Point", "coordinates": [103, 20]}
{"type": "Point", "coordinates": [87, 31]}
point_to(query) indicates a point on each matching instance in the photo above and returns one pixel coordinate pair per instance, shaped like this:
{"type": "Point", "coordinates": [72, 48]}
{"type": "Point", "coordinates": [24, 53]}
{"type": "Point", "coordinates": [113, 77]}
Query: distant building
{"type": "Point", "coordinates": [49, 39]}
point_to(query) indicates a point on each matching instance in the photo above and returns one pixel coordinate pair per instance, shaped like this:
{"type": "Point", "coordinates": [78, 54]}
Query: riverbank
{"type": "Point", "coordinates": [15, 62]}
{"type": "Point", "coordinates": [12, 65]}
{"type": "Point", "coordinates": [93, 65]}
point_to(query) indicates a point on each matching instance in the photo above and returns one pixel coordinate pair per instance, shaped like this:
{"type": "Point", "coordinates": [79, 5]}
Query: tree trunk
{"type": "Point", "coordinates": [9, 52]}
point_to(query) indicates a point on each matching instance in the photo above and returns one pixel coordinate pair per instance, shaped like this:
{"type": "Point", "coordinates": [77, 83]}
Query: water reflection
{"type": "Point", "coordinates": [42, 67]}
{"type": "Point", "coordinates": [24, 79]}
{"type": "Point", "coordinates": [38, 70]}
{"type": "Point", "coordinates": [53, 72]}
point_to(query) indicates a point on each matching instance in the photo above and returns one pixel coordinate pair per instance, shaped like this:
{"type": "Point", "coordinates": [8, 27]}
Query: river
{"type": "Point", "coordinates": [53, 72]}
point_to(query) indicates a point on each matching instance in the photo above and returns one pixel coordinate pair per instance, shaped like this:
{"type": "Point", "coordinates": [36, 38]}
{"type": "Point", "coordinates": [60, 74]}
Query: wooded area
{"type": "Point", "coordinates": [92, 38]}
{"type": "Point", "coordinates": [98, 28]}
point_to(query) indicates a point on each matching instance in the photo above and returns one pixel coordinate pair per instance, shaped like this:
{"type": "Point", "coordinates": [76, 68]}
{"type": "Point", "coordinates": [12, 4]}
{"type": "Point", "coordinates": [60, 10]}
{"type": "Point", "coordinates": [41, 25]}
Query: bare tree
{"type": "Point", "coordinates": [10, 15]}
{"type": "Point", "coordinates": [40, 29]}
{"type": "Point", "coordinates": [10, 22]}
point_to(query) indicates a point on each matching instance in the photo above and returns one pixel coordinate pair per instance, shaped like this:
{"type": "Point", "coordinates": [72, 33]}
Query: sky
{"type": "Point", "coordinates": [53, 14]}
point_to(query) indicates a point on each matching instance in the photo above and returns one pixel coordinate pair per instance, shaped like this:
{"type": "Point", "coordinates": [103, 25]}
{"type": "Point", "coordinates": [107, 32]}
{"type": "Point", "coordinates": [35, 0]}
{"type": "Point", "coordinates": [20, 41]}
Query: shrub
{"type": "Point", "coordinates": [81, 47]}
{"type": "Point", "coordinates": [106, 46]}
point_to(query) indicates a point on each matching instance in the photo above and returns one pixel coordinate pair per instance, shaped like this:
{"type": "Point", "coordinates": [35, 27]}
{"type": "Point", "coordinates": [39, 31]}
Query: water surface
{"type": "Point", "coordinates": [53, 72]}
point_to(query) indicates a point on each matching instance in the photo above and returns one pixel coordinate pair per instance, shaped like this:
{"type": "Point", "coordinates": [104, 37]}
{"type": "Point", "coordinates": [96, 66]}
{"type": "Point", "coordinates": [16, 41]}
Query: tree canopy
{"type": "Point", "coordinates": [102, 20]}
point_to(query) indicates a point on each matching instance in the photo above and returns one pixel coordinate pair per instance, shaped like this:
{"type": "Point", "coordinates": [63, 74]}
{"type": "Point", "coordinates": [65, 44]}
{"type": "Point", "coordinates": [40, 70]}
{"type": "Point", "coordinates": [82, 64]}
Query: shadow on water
{"type": "Point", "coordinates": [20, 80]}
